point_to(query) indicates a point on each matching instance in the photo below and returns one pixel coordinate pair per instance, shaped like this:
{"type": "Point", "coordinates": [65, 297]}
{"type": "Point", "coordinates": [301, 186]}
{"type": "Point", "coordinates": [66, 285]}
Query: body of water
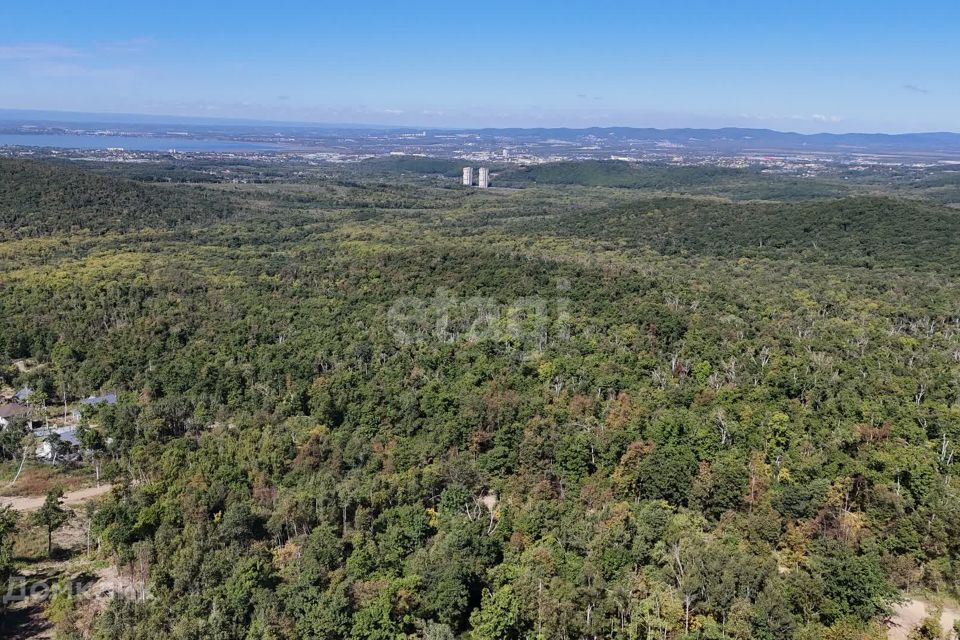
{"type": "Point", "coordinates": [129, 143]}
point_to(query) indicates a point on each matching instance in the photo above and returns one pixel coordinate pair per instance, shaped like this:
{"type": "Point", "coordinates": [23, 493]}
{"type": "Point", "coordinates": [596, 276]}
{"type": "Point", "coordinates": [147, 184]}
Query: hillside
{"type": "Point", "coordinates": [740, 184]}
{"type": "Point", "coordinates": [38, 198]}
{"type": "Point", "coordinates": [857, 231]}
{"type": "Point", "coordinates": [380, 407]}
{"type": "Point", "coordinates": [738, 138]}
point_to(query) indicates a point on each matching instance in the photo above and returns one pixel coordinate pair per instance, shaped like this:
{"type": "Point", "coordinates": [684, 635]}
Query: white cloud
{"type": "Point", "coordinates": [817, 117]}
{"type": "Point", "coordinates": [67, 69]}
{"type": "Point", "coordinates": [130, 45]}
{"type": "Point", "coordinates": [29, 52]}
{"type": "Point", "coordinates": [55, 60]}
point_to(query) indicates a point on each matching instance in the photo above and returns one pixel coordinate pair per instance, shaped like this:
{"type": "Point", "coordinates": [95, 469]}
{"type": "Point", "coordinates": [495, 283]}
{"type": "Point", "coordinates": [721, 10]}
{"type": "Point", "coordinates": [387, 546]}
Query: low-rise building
{"type": "Point", "coordinates": [59, 443]}
{"type": "Point", "coordinates": [107, 398]}
{"type": "Point", "coordinates": [12, 411]}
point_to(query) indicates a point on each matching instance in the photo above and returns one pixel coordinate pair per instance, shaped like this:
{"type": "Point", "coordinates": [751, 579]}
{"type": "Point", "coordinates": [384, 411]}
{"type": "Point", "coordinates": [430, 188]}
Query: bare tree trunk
{"type": "Point", "coordinates": [17, 477]}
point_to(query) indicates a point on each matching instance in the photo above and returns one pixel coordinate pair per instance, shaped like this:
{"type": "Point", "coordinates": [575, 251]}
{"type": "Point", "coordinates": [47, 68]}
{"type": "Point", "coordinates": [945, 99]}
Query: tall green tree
{"type": "Point", "coordinates": [51, 515]}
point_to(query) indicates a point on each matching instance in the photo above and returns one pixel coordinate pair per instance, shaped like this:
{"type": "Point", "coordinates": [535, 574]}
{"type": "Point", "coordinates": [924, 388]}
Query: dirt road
{"type": "Point", "coordinates": [70, 499]}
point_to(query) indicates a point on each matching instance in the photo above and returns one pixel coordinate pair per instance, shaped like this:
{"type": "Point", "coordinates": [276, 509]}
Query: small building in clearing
{"type": "Point", "coordinates": [107, 398]}
{"type": "Point", "coordinates": [13, 410]}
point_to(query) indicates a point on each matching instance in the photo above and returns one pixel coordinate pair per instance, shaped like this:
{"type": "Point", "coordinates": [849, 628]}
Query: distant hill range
{"type": "Point", "coordinates": [738, 139]}
{"type": "Point", "coordinates": [726, 140]}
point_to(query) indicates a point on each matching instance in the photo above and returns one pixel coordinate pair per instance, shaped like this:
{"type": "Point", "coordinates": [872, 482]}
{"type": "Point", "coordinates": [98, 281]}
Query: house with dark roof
{"type": "Point", "coordinates": [107, 398]}
{"type": "Point", "coordinates": [13, 410]}
{"type": "Point", "coordinates": [58, 443]}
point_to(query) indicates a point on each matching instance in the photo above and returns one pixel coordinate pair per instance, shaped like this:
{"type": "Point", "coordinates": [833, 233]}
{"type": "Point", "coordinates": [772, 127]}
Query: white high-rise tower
{"type": "Point", "coordinates": [484, 181]}
{"type": "Point", "coordinates": [468, 176]}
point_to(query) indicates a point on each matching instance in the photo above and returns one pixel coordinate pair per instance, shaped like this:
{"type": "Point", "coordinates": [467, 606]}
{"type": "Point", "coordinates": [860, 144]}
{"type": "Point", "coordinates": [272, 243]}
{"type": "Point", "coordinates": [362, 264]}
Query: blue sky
{"type": "Point", "coordinates": [846, 65]}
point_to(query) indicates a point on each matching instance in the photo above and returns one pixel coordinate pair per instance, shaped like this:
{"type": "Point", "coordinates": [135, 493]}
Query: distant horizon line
{"type": "Point", "coordinates": [103, 117]}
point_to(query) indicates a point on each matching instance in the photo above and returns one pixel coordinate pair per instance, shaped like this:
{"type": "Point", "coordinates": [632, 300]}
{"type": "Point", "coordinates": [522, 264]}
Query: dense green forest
{"type": "Point", "coordinates": [371, 406]}
{"type": "Point", "coordinates": [740, 184]}
{"type": "Point", "coordinates": [37, 198]}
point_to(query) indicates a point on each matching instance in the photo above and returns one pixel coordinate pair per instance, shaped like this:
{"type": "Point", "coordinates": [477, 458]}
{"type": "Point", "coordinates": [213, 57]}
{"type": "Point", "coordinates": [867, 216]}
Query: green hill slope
{"type": "Point", "coordinates": [38, 198]}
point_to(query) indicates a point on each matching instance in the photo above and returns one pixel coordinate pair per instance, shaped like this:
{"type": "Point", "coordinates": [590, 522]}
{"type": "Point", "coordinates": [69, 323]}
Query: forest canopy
{"type": "Point", "coordinates": [38, 198]}
{"type": "Point", "coordinates": [603, 412]}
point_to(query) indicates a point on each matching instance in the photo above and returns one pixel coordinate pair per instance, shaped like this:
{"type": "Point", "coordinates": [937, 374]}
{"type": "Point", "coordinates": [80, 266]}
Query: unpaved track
{"type": "Point", "coordinates": [70, 499]}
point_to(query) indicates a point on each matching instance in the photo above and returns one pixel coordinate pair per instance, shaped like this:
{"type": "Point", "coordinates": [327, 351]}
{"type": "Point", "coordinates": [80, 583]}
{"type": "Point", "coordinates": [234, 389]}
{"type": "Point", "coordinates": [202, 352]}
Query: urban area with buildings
{"type": "Point", "coordinates": [774, 151]}
{"type": "Point", "coordinates": [763, 150]}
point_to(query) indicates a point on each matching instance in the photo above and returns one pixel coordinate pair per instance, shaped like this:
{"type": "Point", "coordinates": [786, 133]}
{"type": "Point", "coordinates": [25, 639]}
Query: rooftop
{"type": "Point", "coordinates": [13, 409]}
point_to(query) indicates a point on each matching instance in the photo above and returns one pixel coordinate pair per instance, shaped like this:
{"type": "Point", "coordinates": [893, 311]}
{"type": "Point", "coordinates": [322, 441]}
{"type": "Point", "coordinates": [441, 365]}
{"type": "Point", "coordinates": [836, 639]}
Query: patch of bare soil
{"type": "Point", "coordinates": [37, 479]}
{"type": "Point", "coordinates": [94, 584]}
{"type": "Point", "coordinates": [26, 365]}
{"type": "Point", "coordinates": [70, 499]}
{"type": "Point", "coordinates": [908, 615]}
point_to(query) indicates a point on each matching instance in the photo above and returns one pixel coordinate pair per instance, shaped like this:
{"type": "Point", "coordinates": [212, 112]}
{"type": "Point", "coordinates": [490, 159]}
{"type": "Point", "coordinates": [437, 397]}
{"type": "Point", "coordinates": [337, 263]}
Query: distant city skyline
{"type": "Point", "coordinates": [849, 66]}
